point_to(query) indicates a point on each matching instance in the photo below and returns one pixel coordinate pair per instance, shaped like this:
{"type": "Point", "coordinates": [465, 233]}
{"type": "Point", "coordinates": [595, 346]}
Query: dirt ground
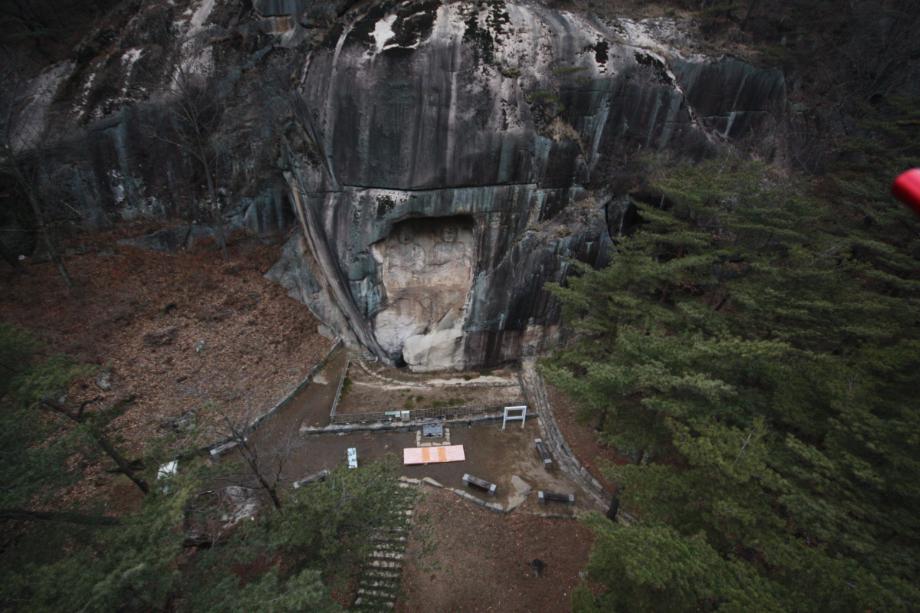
{"type": "Point", "coordinates": [472, 559]}
{"type": "Point", "coordinates": [372, 390]}
{"type": "Point", "coordinates": [471, 377]}
{"type": "Point", "coordinates": [311, 405]}
{"type": "Point", "coordinates": [491, 454]}
{"type": "Point", "coordinates": [188, 330]}
{"type": "Point", "coordinates": [180, 331]}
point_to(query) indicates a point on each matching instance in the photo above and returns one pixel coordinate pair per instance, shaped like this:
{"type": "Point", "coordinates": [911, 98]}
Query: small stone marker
{"type": "Point", "coordinates": [480, 483]}
{"type": "Point", "coordinates": [223, 448]}
{"type": "Point", "coordinates": [545, 497]}
{"type": "Point", "coordinates": [352, 457]}
{"type": "Point", "coordinates": [515, 413]}
{"type": "Point", "coordinates": [314, 478]}
{"type": "Point", "coordinates": [543, 450]}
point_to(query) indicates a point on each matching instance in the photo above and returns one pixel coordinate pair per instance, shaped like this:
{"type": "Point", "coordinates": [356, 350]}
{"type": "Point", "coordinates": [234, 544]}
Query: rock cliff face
{"type": "Point", "coordinates": [443, 160]}
{"type": "Point", "coordinates": [456, 149]}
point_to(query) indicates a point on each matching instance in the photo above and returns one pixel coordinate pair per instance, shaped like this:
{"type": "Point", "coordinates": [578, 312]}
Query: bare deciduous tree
{"type": "Point", "coordinates": [23, 157]}
{"type": "Point", "coordinates": [265, 468]}
{"type": "Point", "coordinates": [195, 110]}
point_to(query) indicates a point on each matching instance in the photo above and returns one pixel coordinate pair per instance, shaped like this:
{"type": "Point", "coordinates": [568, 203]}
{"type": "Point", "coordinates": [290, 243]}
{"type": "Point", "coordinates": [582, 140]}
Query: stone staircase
{"type": "Point", "coordinates": [378, 587]}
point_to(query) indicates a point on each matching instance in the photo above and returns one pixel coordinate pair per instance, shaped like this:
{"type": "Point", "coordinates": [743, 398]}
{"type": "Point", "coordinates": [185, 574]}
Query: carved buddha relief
{"type": "Point", "coordinates": [426, 270]}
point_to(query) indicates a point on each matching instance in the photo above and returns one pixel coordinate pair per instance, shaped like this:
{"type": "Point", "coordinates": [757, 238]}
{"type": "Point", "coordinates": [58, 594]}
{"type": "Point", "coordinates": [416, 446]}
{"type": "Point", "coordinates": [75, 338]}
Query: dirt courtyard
{"type": "Point", "coordinates": [387, 389]}
{"type": "Point", "coordinates": [491, 454]}
{"type": "Point", "coordinates": [472, 559]}
{"type": "Point", "coordinates": [182, 331]}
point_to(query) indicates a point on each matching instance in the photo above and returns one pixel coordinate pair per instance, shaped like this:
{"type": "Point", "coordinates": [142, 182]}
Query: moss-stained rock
{"type": "Point", "coordinates": [490, 120]}
{"type": "Point", "coordinates": [502, 119]}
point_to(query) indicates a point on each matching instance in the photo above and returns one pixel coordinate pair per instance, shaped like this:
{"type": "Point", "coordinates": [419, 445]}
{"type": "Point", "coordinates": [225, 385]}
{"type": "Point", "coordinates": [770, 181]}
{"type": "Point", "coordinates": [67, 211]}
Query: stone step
{"type": "Point", "coordinates": [398, 513]}
{"type": "Point", "coordinates": [389, 545]}
{"type": "Point", "coordinates": [365, 605]}
{"type": "Point", "coordinates": [401, 514]}
{"type": "Point", "coordinates": [390, 538]}
{"type": "Point", "coordinates": [382, 554]}
{"type": "Point", "coordinates": [404, 496]}
{"type": "Point", "coordinates": [383, 594]}
{"type": "Point", "coordinates": [397, 529]}
{"type": "Point", "coordinates": [367, 602]}
{"type": "Point", "coordinates": [369, 581]}
{"type": "Point", "coordinates": [386, 587]}
{"type": "Point", "coordinates": [384, 564]}
{"type": "Point", "coordinates": [380, 574]}
{"type": "Point", "coordinates": [396, 509]}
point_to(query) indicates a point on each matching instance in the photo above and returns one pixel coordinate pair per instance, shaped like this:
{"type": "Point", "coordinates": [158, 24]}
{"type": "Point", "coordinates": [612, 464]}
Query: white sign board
{"type": "Point", "coordinates": [516, 413]}
{"type": "Point", "coordinates": [352, 457]}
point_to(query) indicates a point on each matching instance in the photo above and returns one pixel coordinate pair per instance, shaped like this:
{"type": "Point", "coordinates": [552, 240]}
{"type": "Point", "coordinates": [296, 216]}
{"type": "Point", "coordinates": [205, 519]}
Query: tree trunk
{"type": "Point", "coordinates": [251, 457]}
{"type": "Point", "coordinates": [58, 516]}
{"type": "Point", "coordinates": [42, 226]}
{"type": "Point", "coordinates": [216, 214]}
{"type": "Point", "coordinates": [124, 465]}
{"type": "Point", "coordinates": [601, 422]}
{"type": "Point", "coordinates": [10, 258]}
{"type": "Point", "coordinates": [752, 5]}
{"type": "Point", "coordinates": [272, 493]}
{"type": "Point", "coordinates": [254, 467]}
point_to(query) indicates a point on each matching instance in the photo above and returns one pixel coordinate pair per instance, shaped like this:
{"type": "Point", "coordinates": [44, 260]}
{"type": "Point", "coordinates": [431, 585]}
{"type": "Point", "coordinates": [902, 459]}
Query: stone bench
{"type": "Point", "coordinates": [545, 497]}
{"type": "Point", "coordinates": [480, 483]}
{"type": "Point", "coordinates": [543, 450]}
{"type": "Point", "coordinates": [314, 478]}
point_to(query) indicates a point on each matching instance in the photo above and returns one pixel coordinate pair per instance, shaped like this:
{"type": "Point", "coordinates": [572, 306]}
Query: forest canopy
{"type": "Point", "coordinates": [753, 347]}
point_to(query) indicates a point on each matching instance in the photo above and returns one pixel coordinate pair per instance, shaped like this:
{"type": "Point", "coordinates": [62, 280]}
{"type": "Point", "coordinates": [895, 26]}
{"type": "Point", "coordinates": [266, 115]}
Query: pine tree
{"type": "Point", "coordinates": [59, 556]}
{"type": "Point", "coordinates": [760, 375]}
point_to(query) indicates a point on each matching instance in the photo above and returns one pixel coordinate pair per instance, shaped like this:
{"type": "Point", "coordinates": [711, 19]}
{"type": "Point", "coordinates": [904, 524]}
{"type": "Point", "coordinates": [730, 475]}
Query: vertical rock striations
{"type": "Point", "coordinates": [444, 159]}
{"type": "Point", "coordinates": [461, 144]}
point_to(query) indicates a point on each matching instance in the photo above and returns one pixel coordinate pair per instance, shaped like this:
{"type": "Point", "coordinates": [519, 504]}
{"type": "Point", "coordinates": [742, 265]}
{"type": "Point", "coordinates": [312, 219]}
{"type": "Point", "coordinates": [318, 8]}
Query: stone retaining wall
{"type": "Point", "coordinates": [226, 444]}
{"type": "Point", "coordinates": [535, 392]}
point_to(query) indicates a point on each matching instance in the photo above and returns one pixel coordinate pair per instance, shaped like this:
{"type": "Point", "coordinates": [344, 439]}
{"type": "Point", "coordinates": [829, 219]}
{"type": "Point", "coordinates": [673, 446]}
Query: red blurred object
{"type": "Point", "coordinates": [906, 188]}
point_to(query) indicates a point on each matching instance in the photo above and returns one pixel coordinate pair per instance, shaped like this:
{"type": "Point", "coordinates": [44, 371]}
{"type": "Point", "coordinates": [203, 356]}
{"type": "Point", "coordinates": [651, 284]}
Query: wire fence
{"type": "Point", "coordinates": [458, 412]}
